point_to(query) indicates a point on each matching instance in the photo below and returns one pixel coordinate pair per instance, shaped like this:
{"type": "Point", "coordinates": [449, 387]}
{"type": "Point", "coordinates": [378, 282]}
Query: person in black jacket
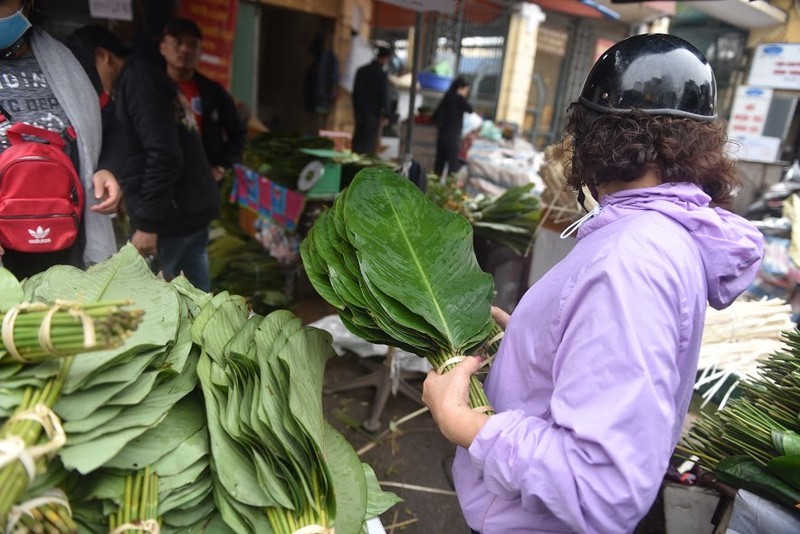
{"type": "Point", "coordinates": [371, 102]}
{"type": "Point", "coordinates": [449, 119]}
{"type": "Point", "coordinates": [166, 178]}
{"type": "Point", "coordinates": [222, 129]}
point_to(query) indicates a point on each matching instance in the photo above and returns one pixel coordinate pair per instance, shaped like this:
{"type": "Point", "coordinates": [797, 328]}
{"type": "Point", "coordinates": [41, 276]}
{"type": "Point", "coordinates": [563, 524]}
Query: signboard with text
{"type": "Point", "coordinates": [750, 108]}
{"type": "Point", "coordinates": [217, 21]}
{"type": "Point", "coordinates": [776, 65]}
{"type": "Point", "coordinates": [111, 9]}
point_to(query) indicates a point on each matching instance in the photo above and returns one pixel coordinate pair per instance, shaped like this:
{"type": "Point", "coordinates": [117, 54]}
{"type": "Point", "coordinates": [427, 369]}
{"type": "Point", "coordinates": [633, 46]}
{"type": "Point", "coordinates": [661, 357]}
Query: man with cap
{"type": "Point", "coordinates": [168, 188]}
{"type": "Point", "coordinates": [222, 129]}
{"type": "Point", "coordinates": [371, 101]}
{"type": "Point", "coordinates": [595, 371]}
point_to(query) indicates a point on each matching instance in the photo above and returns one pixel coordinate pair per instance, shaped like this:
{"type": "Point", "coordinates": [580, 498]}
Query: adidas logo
{"type": "Point", "coordinates": [39, 236]}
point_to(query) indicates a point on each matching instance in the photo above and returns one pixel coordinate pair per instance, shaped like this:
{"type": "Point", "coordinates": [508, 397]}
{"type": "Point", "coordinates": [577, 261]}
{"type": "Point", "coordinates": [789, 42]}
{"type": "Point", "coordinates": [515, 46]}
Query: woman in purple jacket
{"type": "Point", "coordinates": [595, 372]}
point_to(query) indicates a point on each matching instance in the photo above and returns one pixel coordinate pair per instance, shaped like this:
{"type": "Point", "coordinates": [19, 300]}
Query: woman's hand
{"type": "Point", "coordinates": [500, 317]}
{"type": "Point", "coordinates": [447, 396]}
{"type": "Point", "coordinates": [107, 191]}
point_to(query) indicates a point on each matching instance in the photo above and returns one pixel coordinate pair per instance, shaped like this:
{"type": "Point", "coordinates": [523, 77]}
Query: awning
{"type": "Point", "coordinates": [742, 13]}
{"type": "Point", "coordinates": [444, 6]}
{"type": "Point", "coordinates": [388, 14]}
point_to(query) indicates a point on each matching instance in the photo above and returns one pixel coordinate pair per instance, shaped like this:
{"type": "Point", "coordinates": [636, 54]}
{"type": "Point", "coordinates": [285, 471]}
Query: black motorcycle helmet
{"type": "Point", "coordinates": [657, 74]}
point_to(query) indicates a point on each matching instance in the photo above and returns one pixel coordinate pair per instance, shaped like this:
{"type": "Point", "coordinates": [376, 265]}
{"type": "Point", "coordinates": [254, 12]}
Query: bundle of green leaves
{"type": "Point", "coordinates": [754, 441]}
{"type": "Point", "coordinates": [272, 450]}
{"type": "Point", "coordinates": [509, 219]}
{"type": "Point", "coordinates": [402, 271]}
{"type": "Point", "coordinates": [147, 424]}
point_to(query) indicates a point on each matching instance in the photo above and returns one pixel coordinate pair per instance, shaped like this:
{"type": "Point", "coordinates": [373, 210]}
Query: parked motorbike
{"type": "Point", "coordinates": [770, 204]}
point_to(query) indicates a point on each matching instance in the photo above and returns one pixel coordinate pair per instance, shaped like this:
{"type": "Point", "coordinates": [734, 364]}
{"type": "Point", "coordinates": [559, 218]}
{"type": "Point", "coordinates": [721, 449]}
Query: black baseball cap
{"type": "Point", "coordinates": [91, 37]}
{"type": "Point", "coordinates": [179, 27]}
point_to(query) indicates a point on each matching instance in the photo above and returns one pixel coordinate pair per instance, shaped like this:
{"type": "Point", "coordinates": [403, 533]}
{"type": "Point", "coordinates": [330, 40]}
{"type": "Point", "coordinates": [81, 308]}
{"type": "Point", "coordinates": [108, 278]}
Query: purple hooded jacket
{"type": "Point", "coordinates": [595, 371]}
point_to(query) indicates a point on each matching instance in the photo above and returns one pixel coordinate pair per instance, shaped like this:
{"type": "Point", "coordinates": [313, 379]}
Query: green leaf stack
{"type": "Point", "coordinates": [207, 418]}
{"type": "Point", "coordinates": [277, 464]}
{"type": "Point", "coordinates": [402, 271]}
{"type": "Point", "coordinates": [509, 219]}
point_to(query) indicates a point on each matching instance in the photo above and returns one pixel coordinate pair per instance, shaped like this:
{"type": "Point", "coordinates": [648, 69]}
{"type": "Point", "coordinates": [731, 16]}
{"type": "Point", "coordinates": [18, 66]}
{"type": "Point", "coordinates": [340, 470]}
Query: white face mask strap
{"type": "Point", "coordinates": [572, 228]}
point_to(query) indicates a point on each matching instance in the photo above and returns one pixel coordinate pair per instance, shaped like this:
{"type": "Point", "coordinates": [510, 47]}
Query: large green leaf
{"type": "Point", "coordinates": [124, 276]}
{"type": "Point", "coordinates": [788, 468]}
{"type": "Point", "coordinates": [419, 255]}
{"type": "Point", "coordinates": [378, 501]}
{"type": "Point", "coordinates": [92, 449]}
{"type": "Point", "coordinates": [743, 472]}
{"type": "Point", "coordinates": [184, 455]}
{"type": "Point", "coordinates": [350, 487]}
{"type": "Point", "coordinates": [10, 290]}
{"type": "Point", "coordinates": [233, 466]}
{"type": "Point", "coordinates": [183, 421]}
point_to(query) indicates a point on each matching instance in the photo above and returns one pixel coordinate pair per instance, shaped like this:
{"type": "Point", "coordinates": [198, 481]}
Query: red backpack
{"type": "Point", "coordinates": [41, 195]}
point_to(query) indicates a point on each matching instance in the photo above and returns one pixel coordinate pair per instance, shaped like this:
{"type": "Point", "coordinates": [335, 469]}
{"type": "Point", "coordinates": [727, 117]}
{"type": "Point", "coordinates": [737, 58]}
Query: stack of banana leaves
{"type": "Point", "coordinates": [278, 155]}
{"type": "Point", "coordinates": [754, 441]}
{"type": "Point", "coordinates": [241, 266]}
{"type": "Point", "coordinates": [509, 219]}
{"type": "Point", "coordinates": [402, 271]}
{"type": "Point", "coordinates": [174, 431]}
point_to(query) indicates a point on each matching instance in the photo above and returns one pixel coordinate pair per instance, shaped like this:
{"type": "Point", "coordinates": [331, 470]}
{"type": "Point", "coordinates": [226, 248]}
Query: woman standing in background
{"type": "Point", "coordinates": [449, 119]}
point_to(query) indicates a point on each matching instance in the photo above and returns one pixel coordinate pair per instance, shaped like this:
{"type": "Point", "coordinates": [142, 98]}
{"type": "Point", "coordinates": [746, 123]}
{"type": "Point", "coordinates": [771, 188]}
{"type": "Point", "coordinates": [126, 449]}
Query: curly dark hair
{"type": "Point", "coordinates": [624, 146]}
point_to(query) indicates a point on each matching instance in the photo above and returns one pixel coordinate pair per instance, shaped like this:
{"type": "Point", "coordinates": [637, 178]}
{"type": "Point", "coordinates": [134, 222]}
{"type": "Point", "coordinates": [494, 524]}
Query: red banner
{"type": "Point", "coordinates": [217, 21]}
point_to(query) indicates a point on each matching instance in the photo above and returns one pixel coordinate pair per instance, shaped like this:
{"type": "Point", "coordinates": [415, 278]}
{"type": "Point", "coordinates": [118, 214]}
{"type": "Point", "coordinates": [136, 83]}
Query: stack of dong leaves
{"type": "Point", "coordinates": [208, 419]}
{"type": "Point", "coordinates": [401, 271]}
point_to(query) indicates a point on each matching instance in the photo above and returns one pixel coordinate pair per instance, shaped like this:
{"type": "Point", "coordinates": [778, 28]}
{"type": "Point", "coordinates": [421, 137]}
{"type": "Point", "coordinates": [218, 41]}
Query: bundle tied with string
{"type": "Point", "coordinates": [32, 332]}
{"type": "Point", "coordinates": [402, 272]}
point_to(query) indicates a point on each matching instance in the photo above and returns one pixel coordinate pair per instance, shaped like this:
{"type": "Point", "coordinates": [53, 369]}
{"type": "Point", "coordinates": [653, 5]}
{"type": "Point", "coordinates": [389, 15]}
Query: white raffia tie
{"type": "Point", "coordinates": [314, 529]}
{"type": "Point", "coordinates": [148, 525]}
{"type": "Point", "coordinates": [54, 496]}
{"type": "Point", "coordinates": [13, 448]}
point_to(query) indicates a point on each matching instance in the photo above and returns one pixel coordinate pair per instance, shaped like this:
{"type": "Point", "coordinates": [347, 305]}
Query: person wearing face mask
{"type": "Point", "coordinates": [43, 84]}
{"type": "Point", "coordinates": [595, 371]}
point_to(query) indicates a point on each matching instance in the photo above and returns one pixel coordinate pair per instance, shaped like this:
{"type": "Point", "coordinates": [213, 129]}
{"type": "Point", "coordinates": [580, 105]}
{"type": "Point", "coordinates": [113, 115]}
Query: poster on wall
{"type": "Point", "coordinates": [776, 65]}
{"type": "Point", "coordinates": [749, 112]}
{"type": "Point", "coordinates": [111, 9]}
{"type": "Point", "coordinates": [217, 21]}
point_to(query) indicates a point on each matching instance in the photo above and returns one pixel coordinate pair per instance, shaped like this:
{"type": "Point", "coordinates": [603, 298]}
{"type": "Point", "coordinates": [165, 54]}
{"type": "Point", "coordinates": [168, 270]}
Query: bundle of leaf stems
{"type": "Point", "coordinates": [139, 502]}
{"type": "Point", "coordinates": [285, 521]}
{"type": "Point", "coordinates": [109, 322]}
{"type": "Point", "coordinates": [747, 425]}
{"type": "Point", "coordinates": [477, 396]}
{"type": "Point", "coordinates": [14, 478]}
{"type": "Point", "coordinates": [50, 519]}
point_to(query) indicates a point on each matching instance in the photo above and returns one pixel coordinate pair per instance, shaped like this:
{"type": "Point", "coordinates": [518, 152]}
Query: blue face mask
{"type": "Point", "coordinates": [12, 28]}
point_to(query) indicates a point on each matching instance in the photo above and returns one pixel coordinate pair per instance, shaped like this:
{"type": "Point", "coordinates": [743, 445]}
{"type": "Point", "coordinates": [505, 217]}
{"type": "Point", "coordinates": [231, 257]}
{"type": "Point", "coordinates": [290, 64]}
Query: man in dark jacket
{"type": "Point", "coordinates": [219, 123]}
{"type": "Point", "coordinates": [371, 102]}
{"type": "Point", "coordinates": [166, 179]}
